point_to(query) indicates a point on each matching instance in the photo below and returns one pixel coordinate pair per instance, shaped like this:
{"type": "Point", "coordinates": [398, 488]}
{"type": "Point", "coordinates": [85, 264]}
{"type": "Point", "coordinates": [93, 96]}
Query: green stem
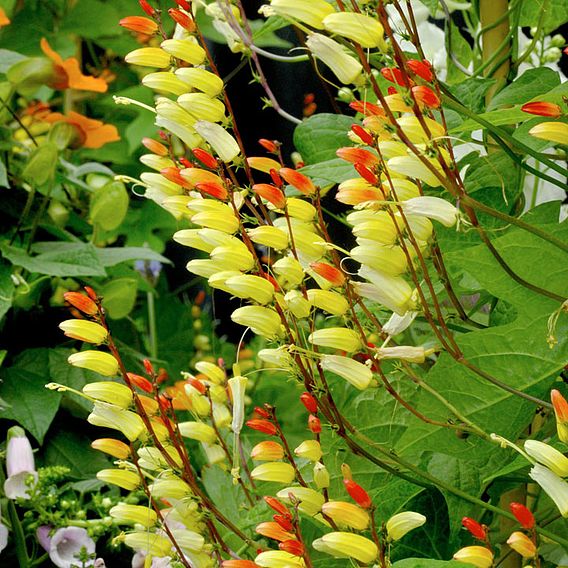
{"type": "Point", "coordinates": [152, 331]}
{"type": "Point", "coordinates": [18, 536]}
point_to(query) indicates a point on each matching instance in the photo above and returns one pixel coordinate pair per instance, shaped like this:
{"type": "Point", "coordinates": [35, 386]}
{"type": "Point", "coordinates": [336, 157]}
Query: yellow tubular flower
{"type": "Point", "coordinates": [165, 82]}
{"type": "Point", "coordinates": [84, 330]}
{"type": "Point", "coordinates": [345, 67]}
{"type": "Point", "coordinates": [233, 258]}
{"type": "Point", "coordinates": [202, 107]}
{"type": "Point", "coordinates": [479, 556]}
{"type": "Point", "coordinates": [111, 416]}
{"type": "Point", "coordinates": [400, 524]}
{"type": "Point", "coordinates": [201, 79]}
{"type": "Point", "coordinates": [156, 162]}
{"type": "Point", "coordinates": [218, 280]}
{"type": "Point", "coordinates": [277, 357]}
{"type": "Point", "coordinates": [297, 304]}
{"type": "Point", "coordinates": [414, 130]}
{"type": "Point", "coordinates": [279, 558]}
{"type": "Point", "coordinates": [412, 166]}
{"type": "Point", "coordinates": [421, 227]}
{"type": "Point", "coordinates": [289, 271]}
{"type": "Point", "coordinates": [184, 49]}
{"type": "Point", "coordinates": [160, 182]}
{"type": "Point", "coordinates": [237, 386]}
{"type": "Point", "coordinates": [112, 447]}
{"type": "Point", "coordinates": [198, 431]}
{"type": "Point", "coordinates": [263, 164]}
{"type": "Point", "coordinates": [548, 456]}
{"type": "Point", "coordinates": [300, 209]}
{"type": "Point", "coordinates": [347, 545]}
{"type": "Point", "coordinates": [204, 267]}
{"type": "Point", "coordinates": [380, 229]}
{"type": "Point", "coordinates": [366, 31]}
{"type": "Point", "coordinates": [391, 148]}
{"type": "Point", "coordinates": [310, 450]}
{"type": "Point", "coordinates": [358, 374]}
{"type": "Point", "coordinates": [311, 12]}
{"type": "Point", "coordinates": [170, 488]}
{"type": "Point", "coordinates": [111, 392]}
{"type": "Point", "coordinates": [125, 514]}
{"type": "Point", "coordinates": [151, 543]}
{"type": "Point", "coordinates": [123, 478]}
{"type": "Point", "coordinates": [97, 361]}
{"type": "Point", "coordinates": [336, 338]}
{"type": "Point", "coordinates": [192, 238]}
{"type": "Point", "coordinates": [269, 236]}
{"type": "Point", "coordinates": [347, 514]}
{"type": "Point", "coordinates": [262, 321]}
{"type": "Point", "coordinates": [321, 476]}
{"type": "Point", "coordinates": [310, 500]}
{"type": "Point", "coordinates": [213, 372]}
{"type": "Point", "coordinates": [388, 260]}
{"type": "Point", "coordinates": [522, 544]}
{"type": "Point", "coordinates": [149, 57]}
{"type": "Point", "coordinates": [328, 301]}
{"type": "Point", "coordinates": [219, 139]}
{"type": "Point", "coordinates": [252, 287]}
{"type": "Point", "coordinates": [278, 472]}
{"type": "Point", "coordinates": [189, 541]}
{"type": "Point", "coordinates": [267, 450]}
{"type": "Point", "coordinates": [403, 352]}
{"type": "Point", "coordinates": [217, 220]}
{"type": "Point", "coordinates": [391, 291]}
{"type": "Point", "coordinates": [402, 189]}
{"type": "Point", "coordinates": [556, 132]}
{"type": "Point", "coordinates": [434, 208]}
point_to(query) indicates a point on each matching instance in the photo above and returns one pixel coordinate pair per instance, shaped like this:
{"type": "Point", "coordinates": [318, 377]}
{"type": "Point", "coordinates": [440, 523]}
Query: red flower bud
{"type": "Point", "coordinates": [477, 530]}
{"type": "Point", "coordinates": [139, 24]}
{"type": "Point", "coordinates": [162, 376]}
{"type": "Point", "coordinates": [148, 367]}
{"type": "Point", "coordinates": [542, 109]}
{"type": "Point", "coordinates": [259, 411]}
{"type": "Point", "coordinates": [270, 193]}
{"type": "Point", "coordinates": [284, 522]}
{"type": "Point", "coordinates": [213, 189]}
{"type": "Point", "coordinates": [184, 4]}
{"type": "Point", "coordinates": [197, 385]}
{"type": "Point", "coordinates": [357, 493]}
{"type": "Point", "coordinates": [394, 75]}
{"type": "Point", "coordinates": [314, 424]}
{"type": "Point", "coordinates": [421, 68]}
{"type": "Point", "coordinates": [276, 179]}
{"type": "Point", "coordinates": [146, 7]}
{"type": "Point", "coordinates": [392, 91]}
{"type": "Point", "coordinates": [205, 158]}
{"type": "Point", "coordinates": [294, 547]}
{"type": "Point", "coordinates": [262, 426]}
{"type": "Point", "coordinates": [81, 302]}
{"type": "Point", "coordinates": [365, 136]}
{"type": "Point", "coordinates": [298, 180]}
{"type": "Point", "coordinates": [329, 272]}
{"type": "Point", "coordinates": [182, 19]}
{"type": "Point", "coordinates": [91, 293]}
{"type": "Point", "coordinates": [523, 515]}
{"type": "Point", "coordinates": [368, 109]}
{"type": "Point", "coordinates": [185, 163]}
{"type": "Point", "coordinates": [277, 506]}
{"type": "Point", "coordinates": [309, 402]}
{"type": "Point", "coordinates": [366, 174]}
{"type": "Point", "coordinates": [140, 382]}
{"type": "Point", "coordinates": [270, 145]}
{"type": "Point", "coordinates": [426, 96]}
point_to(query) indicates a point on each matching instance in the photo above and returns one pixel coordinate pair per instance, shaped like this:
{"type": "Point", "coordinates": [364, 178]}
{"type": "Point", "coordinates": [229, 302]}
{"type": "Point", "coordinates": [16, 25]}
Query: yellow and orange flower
{"type": "Point", "coordinates": [91, 133]}
{"type": "Point", "coordinates": [4, 20]}
{"type": "Point", "coordinates": [68, 75]}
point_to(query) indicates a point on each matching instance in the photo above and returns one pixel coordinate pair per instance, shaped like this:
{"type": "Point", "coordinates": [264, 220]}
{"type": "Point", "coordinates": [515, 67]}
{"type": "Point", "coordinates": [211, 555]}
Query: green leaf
{"type": "Point", "coordinates": [112, 256]}
{"type": "Point", "coordinates": [92, 19]}
{"type": "Point", "coordinates": [119, 297]}
{"type": "Point", "coordinates": [458, 49]}
{"type": "Point", "coordinates": [263, 33]}
{"type": "Point", "coordinates": [330, 172]}
{"type": "Point", "coordinates": [109, 205]}
{"type": "Point", "coordinates": [6, 288]}
{"type": "Point", "coordinates": [9, 58]}
{"type": "Point", "coordinates": [531, 84]}
{"type": "Point", "coordinates": [77, 259]}
{"type": "Point", "coordinates": [471, 92]}
{"type": "Point", "coordinates": [495, 117]}
{"type": "Point", "coordinates": [319, 136]}
{"type": "Point", "coordinates": [72, 450]}
{"type": "Point", "coordinates": [554, 12]}
{"type": "Point", "coordinates": [31, 405]}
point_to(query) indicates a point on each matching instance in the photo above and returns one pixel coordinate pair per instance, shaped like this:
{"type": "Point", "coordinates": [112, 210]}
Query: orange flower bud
{"type": "Point", "coordinates": [393, 75]}
{"type": "Point", "coordinates": [357, 493]}
{"type": "Point", "coordinates": [269, 145]}
{"type": "Point", "coordinates": [213, 189]}
{"type": "Point", "coordinates": [205, 158]}
{"type": "Point", "coordinates": [267, 451]}
{"type": "Point", "coordinates": [146, 7]}
{"type": "Point", "coordinates": [476, 530]}
{"type": "Point", "coordinates": [368, 109]}
{"type": "Point", "coordinates": [421, 68]}
{"type": "Point", "coordinates": [358, 156]}
{"type": "Point", "coordinates": [262, 426]}
{"type": "Point", "coordinates": [181, 18]}
{"type": "Point", "coordinates": [329, 272]}
{"type": "Point", "coordinates": [426, 96]}
{"type": "Point", "coordinates": [173, 175]}
{"type": "Point", "coordinates": [274, 531]}
{"type": "Point", "coordinates": [114, 448]}
{"type": "Point", "coordinates": [141, 382]}
{"type": "Point", "coordinates": [366, 174]}
{"type": "Point", "coordinates": [294, 547]}
{"type": "Point", "coordinates": [154, 146]}
{"type": "Point", "coordinates": [298, 180]}
{"type": "Point", "coordinates": [81, 302]}
{"type": "Point", "coordinates": [284, 522]}
{"type": "Point", "coordinates": [139, 24]}
{"type": "Point", "coordinates": [271, 193]}
{"type": "Point", "coordinates": [276, 179]}
{"type": "Point", "coordinates": [542, 109]}
{"type": "Point", "coordinates": [277, 506]}
{"type": "Point", "coordinates": [148, 367]}
{"type": "Point", "coordinates": [184, 4]}
{"type": "Point", "coordinates": [314, 424]}
{"type": "Point", "coordinates": [309, 402]}
{"type": "Point", "coordinates": [263, 164]}
{"type": "Point", "coordinates": [365, 136]}
{"type": "Point", "coordinates": [523, 515]}
{"type": "Point", "coordinates": [561, 411]}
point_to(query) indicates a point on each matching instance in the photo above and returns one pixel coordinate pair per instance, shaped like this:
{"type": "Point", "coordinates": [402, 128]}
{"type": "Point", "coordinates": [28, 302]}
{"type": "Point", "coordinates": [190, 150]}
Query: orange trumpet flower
{"type": "Point", "coordinates": [90, 133]}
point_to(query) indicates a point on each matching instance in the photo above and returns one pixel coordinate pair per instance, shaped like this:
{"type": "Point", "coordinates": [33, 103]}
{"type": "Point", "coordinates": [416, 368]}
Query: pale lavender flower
{"type": "Point", "coordinates": [20, 465]}
{"type": "Point", "coordinates": [66, 546]}
{"type": "Point", "coordinates": [42, 535]}
{"type": "Point", "coordinates": [139, 558]}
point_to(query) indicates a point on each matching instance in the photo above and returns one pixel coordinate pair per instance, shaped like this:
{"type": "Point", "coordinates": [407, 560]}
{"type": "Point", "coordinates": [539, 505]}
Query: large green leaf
{"type": "Point", "coordinates": [74, 259]}
{"type": "Point", "coordinates": [330, 172]}
{"type": "Point", "coordinates": [554, 13]}
{"type": "Point", "coordinates": [318, 137]}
